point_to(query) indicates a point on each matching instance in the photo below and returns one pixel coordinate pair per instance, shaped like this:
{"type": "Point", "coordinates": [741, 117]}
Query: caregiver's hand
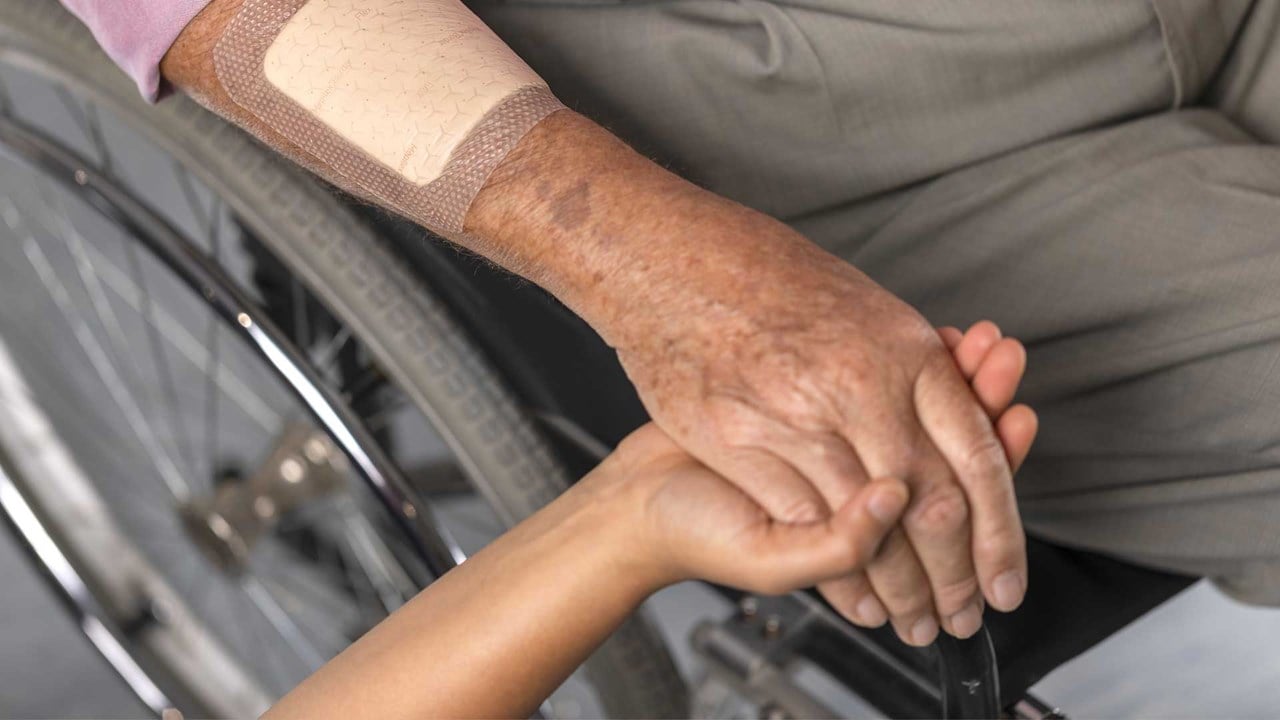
{"type": "Point", "coordinates": [533, 605]}
{"type": "Point", "coordinates": [689, 522]}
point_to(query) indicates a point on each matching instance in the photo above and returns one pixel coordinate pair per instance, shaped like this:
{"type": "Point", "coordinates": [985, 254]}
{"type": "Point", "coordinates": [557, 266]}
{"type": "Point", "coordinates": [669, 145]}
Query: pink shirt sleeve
{"type": "Point", "coordinates": [137, 33]}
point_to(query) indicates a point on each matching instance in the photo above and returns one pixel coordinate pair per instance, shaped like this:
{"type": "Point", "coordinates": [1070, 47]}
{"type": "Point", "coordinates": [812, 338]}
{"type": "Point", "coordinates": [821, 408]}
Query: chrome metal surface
{"type": "Point", "coordinates": [751, 652]}
{"type": "Point", "coordinates": [302, 466]}
{"type": "Point", "coordinates": [88, 613]}
{"type": "Point", "coordinates": [438, 551]}
{"type": "Point", "coordinates": [1031, 707]}
{"type": "Point", "coordinates": [351, 444]}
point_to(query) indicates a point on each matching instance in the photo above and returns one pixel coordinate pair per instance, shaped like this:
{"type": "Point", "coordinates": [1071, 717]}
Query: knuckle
{"type": "Point", "coordinates": [834, 455]}
{"type": "Point", "coordinates": [825, 449]}
{"type": "Point", "coordinates": [737, 432]}
{"type": "Point", "coordinates": [858, 378]}
{"type": "Point", "coordinates": [942, 511]}
{"type": "Point", "coordinates": [1005, 545]}
{"type": "Point", "coordinates": [954, 596]}
{"type": "Point", "coordinates": [894, 551]}
{"type": "Point", "coordinates": [904, 596]}
{"type": "Point", "coordinates": [985, 456]}
{"type": "Point", "coordinates": [801, 410]}
{"type": "Point", "coordinates": [800, 510]}
{"type": "Point", "coordinates": [903, 459]}
{"type": "Point", "coordinates": [908, 601]}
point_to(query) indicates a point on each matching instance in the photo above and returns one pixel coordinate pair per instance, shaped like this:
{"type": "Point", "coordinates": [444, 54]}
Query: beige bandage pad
{"type": "Point", "coordinates": [415, 102]}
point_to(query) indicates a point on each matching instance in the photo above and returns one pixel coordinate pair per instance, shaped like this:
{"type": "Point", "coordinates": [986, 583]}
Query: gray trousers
{"type": "Point", "coordinates": [1098, 177]}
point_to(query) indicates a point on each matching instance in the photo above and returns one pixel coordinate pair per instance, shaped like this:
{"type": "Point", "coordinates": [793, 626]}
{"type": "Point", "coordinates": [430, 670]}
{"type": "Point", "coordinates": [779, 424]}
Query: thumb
{"type": "Point", "coordinates": [788, 557]}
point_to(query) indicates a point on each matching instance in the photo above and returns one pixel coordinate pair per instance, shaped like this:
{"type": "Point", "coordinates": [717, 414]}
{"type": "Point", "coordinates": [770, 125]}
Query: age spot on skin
{"type": "Point", "coordinates": [571, 208]}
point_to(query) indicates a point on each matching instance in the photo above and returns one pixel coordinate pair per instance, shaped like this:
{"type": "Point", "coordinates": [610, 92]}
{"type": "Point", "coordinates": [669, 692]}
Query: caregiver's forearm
{"type": "Point", "coordinates": [495, 636]}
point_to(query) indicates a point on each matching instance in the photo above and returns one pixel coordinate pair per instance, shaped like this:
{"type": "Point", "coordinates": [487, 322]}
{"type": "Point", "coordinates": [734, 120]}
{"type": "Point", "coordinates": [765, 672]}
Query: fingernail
{"type": "Point", "coordinates": [885, 505]}
{"type": "Point", "coordinates": [966, 622]}
{"type": "Point", "coordinates": [870, 612]}
{"type": "Point", "coordinates": [924, 631]}
{"type": "Point", "coordinates": [1008, 590]}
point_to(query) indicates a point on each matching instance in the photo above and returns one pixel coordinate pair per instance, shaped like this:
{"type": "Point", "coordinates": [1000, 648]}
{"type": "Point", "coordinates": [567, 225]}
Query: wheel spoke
{"type": "Point", "coordinates": [312, 584]}
{"type": "Point", "coordinates": [362, 386]}
{"type": "Point", "coordinates": [75, 243]}
{"type": "Point", "coordinates": [230, 384]}
{"type": "Point", "coordinates": [211, 394]}
{"type": "Point", "coordinates": [301, 329]}
{"type": "Point", "coordinates": [99, 139]}
{"type": "Point", "coordinates": [328, 353]}
{"type": "Point", "coordinates": [97, 356]}
{"type": "Point", "coordinates": [211, 402]}
{"type": "Point", "coordinates": [253, 643]}
{"type": "Point", "coordinates": [160, 359]}
{"type": "Point", "coordinates": [210, 223]}
{"type": "Point", "coordinates": [317, 627]}
{"type": "Point", "coordinates": [376, 560]}
{"type": "Point", "coordinates": [86, 117]}
{"type": "Point", "coordinates": [368, 600]}
{"type": "Point", "coordinates": [280, 620]}
{"type": "Point", "coordinates": [6, 100]}
{"type": "Point", "coordinates": [378, 419]}
{"type": "Point", "coordinates": [209, 220]}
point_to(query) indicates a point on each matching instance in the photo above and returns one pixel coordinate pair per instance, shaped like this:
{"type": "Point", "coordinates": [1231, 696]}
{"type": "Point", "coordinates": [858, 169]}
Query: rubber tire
{"type": "Point", "coordinates": [390, 310]}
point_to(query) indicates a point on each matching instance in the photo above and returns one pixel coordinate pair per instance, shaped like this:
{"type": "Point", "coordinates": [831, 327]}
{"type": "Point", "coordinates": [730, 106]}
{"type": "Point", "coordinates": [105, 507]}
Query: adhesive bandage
{"type": "Point", "coordinates": [414, 102]}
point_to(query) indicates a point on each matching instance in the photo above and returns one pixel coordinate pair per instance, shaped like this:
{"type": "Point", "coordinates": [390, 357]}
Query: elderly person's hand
{"type": "Point", "coordinates": [684, 521]}
{"type": "Point", "coordinates": [699, 525]}
{"type": "Point", "coordinates": [799, 379]}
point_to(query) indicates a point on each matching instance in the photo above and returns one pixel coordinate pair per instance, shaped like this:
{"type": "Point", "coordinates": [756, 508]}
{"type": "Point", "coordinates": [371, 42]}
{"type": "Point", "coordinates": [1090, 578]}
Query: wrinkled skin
{"type": "Point", "coordinates": [799, 378]}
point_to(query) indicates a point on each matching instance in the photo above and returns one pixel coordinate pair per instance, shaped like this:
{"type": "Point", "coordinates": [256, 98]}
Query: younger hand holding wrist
{"type": "Point", "coordinates": [686, 522]}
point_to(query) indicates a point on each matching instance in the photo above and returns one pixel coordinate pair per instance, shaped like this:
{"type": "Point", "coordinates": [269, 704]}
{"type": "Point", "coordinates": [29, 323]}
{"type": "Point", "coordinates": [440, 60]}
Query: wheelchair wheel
{"type": "Point", "coordinates": [234, 428]}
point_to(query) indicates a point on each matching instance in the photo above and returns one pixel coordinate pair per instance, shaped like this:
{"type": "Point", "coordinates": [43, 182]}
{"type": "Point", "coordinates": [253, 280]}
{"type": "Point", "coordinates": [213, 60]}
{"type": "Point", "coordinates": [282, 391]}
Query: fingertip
{"type": "Point", "coordinates": [1024, 417]}
{"type": "Point", "coordinates": [996, 379]}
{"type": "Point", "coordinates": [1017, 344]}
{"type": "Point", "coordinates": [1008, 356]}
{"type": "Point", "coordinates": [1017, 429]}
{"type": "Point", "coordinates": [871, 613]}
{"type": "Point", "coordinates": [1012, 354]}
{"type": "Point", "coordinates": [1008, 590]}
{"type": "Point", "coordinates": [985, 328]}
{"type": "Point", "coordinates": [974, 346]}
{"type": "Point", "coordinates": [887, 498]}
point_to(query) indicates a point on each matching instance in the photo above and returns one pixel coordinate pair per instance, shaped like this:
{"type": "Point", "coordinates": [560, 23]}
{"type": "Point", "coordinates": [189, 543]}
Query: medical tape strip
{"type": "Point", "coordinates": [441, 204]}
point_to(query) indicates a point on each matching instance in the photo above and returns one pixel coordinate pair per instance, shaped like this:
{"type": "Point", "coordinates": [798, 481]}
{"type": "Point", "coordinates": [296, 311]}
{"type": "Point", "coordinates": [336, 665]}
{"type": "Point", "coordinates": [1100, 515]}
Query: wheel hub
{"type": "Point", "coordinates": [303, 465]}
